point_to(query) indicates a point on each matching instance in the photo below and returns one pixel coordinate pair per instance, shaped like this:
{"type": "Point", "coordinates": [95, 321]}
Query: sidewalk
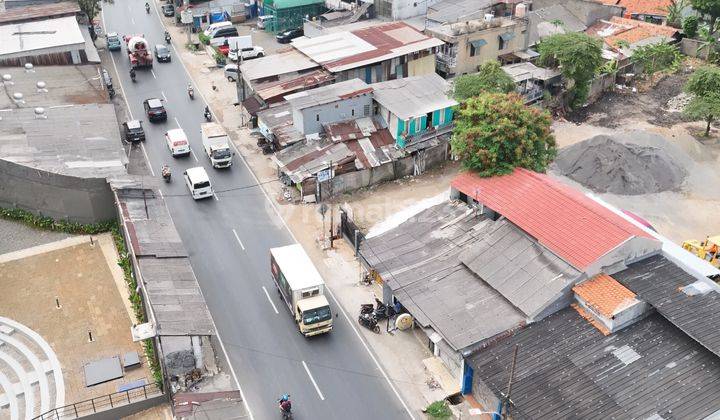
{"type": "Point", "coordinates": [401, 353]}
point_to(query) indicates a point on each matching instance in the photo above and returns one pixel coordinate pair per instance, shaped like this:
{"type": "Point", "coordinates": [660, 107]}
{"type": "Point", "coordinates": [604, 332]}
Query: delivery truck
{"type": "Point", "coordinates": [302, 289]}
{"type": "Point", "coordinates": [216, 144]}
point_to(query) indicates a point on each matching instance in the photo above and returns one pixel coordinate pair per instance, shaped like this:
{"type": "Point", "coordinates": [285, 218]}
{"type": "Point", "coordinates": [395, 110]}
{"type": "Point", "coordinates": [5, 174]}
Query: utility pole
{"type": "Point", "coordinates": [332, 207]}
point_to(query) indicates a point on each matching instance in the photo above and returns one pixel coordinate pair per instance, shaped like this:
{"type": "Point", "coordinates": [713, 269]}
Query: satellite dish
{"type": "Point", "coordinates": [40, 113]}
{"type": "Point", "coordinates": [41, 86]}
{"type": "Point", "coordinates": [403, 322]}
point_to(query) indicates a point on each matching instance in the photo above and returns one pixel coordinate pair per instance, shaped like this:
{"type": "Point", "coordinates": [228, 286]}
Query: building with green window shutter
{"type": "Point", "coordinates": [414, 106]}
{"type": "Point", "coordinates": [289, 14]}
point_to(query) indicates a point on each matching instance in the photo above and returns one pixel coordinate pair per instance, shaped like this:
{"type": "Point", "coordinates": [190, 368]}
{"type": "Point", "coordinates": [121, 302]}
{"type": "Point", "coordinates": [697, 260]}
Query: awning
{"type": "Point", "coordinates": [478, 43]}
{"type": "Point", "coordinates": [507, 36]}
{"type": "Point", "coordinates": [526, 55]}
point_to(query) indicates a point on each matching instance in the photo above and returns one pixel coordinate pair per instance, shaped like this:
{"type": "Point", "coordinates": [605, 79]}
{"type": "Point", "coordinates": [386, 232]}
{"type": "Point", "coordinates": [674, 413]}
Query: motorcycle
{"type": "Point", "coordinates": [167, 37]}
{"type": "Point", "coordinates": [191, 92]}
{"type": "Point", "coordinates": [208, 115]}
{"type": "Point", "coordinates": [367, 318]}
{"type": "Point", "coordinates": [285, 406]}
{"type": "Point", "coordinates": [132, 74]}
{"type": "Point", "coordinates": [111, 92]}
{"type": "Point", "coordinates": [147, 8]}
{"type": "Point", "coordinates": [165, 171]}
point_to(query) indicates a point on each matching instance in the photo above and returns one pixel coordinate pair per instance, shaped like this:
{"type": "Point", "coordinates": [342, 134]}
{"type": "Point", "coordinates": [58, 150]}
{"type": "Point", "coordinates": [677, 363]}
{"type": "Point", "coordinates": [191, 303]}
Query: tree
{"type": "Point", "coordinates": [710, 8]}
{"type": "Point", "coordinates": [704, 85]}
{"type": "Point", "coordinates": [657, 57]}
{"type": "Point", "coordinates": [90, 7]}
{"type": "Point", "coordinates": [490, 78]}
{"type": "Point", "coordinates": [578, 56]}
{"type": "Point", "coordinates": [674, 12]}
{"type": "Point", "coordinates": [690, 26]}
{"type": "Point", "coordinates": [495, 132]}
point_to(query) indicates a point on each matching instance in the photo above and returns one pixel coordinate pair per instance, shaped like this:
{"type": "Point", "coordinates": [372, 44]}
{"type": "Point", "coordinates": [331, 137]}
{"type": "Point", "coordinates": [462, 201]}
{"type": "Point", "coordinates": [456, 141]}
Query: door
{"type": "Point", "coordinates": [467, 379]}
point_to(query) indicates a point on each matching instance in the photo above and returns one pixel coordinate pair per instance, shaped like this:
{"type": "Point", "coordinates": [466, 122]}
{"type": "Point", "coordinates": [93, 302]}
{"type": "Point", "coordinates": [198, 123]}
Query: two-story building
{"type": "Point", "coordinates": [414, 106]}
{"type": "Point", "coordinates": [470, 44]}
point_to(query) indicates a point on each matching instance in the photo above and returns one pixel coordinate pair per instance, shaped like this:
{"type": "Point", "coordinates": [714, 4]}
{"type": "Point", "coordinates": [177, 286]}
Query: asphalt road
{"type": "Point", "coordinates": [332, 376]}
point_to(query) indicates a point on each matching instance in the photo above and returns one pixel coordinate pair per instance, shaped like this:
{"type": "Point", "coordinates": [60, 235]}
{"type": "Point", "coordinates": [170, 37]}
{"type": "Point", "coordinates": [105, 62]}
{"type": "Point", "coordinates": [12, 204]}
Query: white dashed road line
{"type": "Point", "coordinates": [270, 300]}
{"type": "Point", "coordinates": [313, 380]}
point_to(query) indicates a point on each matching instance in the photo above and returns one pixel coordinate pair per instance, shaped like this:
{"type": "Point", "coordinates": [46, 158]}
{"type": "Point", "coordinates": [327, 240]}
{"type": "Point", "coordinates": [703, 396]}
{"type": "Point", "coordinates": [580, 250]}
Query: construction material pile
{"type": "Point", "coordinates": [625, 164]}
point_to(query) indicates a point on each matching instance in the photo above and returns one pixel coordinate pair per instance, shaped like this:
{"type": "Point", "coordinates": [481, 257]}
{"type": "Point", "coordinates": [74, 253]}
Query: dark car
{"type": "Point", "coordinates": [162, 53]}
{"type": "Point", "coordinates": [154, 110]}
{"type": "Point", "coordinates": [133, 131]}
{"type": "Point", "coordinates": [289, 35]}
{"type": "Point", "coordinates": [168, 10]}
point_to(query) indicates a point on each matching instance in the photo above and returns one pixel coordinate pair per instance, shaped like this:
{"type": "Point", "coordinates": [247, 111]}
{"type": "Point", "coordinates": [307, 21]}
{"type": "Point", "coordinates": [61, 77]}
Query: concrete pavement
{"type": "Point", "coordinates": [228, 238]}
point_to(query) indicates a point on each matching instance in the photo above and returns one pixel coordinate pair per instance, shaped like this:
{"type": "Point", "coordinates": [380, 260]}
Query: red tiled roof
{"type": "Point", "coordinates": [637, 31]}
{"type": "Point", "coordinates": [573, 226]}
{"type": "Point", "coordinates": [591, 319]}
{"type": "Point", "coordinates": [645, 7]}
{"type": "Point", "coordinates": [604, 294]}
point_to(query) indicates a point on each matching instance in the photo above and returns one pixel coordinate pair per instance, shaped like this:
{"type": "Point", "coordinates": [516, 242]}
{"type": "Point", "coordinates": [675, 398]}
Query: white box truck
{"type": "Point", "coordinates": [302, 288]}
{"type": "Point", "coordinates": [216, 144]}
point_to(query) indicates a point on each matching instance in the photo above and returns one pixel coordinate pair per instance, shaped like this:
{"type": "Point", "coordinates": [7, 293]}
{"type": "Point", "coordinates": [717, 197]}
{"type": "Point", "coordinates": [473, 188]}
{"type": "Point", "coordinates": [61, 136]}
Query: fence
{"type": "Point", "coordinates": [104, 403]}
{"type": "Point", "coordinates": [695, 48]}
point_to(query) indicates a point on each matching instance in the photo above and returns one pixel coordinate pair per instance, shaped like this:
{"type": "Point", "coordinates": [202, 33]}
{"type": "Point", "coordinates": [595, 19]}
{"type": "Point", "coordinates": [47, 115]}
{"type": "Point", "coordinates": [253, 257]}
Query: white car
{"type": "Point", "coordinates": [247, 53]}
{"type": "Point", "coordinates": [177, 142]}
{"type": "Point", "coordinates": [198, 183]}
{"type": "Point", "coordinates": [231, 72]}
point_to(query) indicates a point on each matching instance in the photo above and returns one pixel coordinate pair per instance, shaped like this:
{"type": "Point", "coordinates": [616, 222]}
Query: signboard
{"type": "Point", "coordinates": [324, 175]}
{"type": "Point", "coordinates": [186, 16]}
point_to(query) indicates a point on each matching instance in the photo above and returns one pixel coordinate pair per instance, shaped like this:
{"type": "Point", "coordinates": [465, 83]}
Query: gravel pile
{"type": "Point", "coordinates": [618, 165]}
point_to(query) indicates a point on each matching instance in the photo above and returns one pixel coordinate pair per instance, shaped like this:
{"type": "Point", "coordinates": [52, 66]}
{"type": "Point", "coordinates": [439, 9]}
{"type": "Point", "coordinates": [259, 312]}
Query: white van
{"type": "Point", "coordinates": [210, 30]}
{"type": "Point", "coordinates": [177, 142]}
{"type": "Point", "coordinates": [198, 183]}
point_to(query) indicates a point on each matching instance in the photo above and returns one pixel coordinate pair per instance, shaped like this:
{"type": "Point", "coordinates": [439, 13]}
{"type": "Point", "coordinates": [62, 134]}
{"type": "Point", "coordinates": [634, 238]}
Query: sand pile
{"type": "Point", "coordinates": [631, 164]}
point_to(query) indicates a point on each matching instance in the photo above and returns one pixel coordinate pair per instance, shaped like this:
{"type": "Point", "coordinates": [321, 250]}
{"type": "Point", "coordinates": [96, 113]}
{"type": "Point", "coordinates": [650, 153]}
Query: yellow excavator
{"type": "Point", "coordinates": [708, 250]}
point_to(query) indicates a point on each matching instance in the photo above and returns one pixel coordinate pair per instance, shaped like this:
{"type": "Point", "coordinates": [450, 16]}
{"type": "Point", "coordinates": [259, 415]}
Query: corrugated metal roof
{"type": "Point", "coordinates": [660, 282]}
{"type": "Point", "coordinates": [328, 94]}
{"type": "Point", "coordinates": [283, 62]}
{"type": "Point", "coordinates": [413, 97]}
{"type": "Point", "coordinates": [576, 228]}
{"type": "Point", "coordinates": [517, 266]}
{"type": "Point", "coordinates": [566, 369]}
{"type": "Point", "coordinates": [39, 11]}
{"type": "Point", "coordinates": [288, 4]}
{"type": "Point", "coordinates": [419, 261]}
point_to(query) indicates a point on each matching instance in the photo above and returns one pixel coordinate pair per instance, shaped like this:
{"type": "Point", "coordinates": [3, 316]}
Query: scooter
{"type": "Point", "coordinates": [167, 37]}
{"type": "Point", "coordinates": [111, 92]}
{"type": "Point", "coordinates": [191, 92]}
{"type": "Point", "coordinates": [165, 171]}
{"type": "Point", "coordinates": [208, 115]}
{"type": "Point", "coordinates": [147, 8]}
{"type": "Point", "coordinates": [367, 318]}
{"type": "Point", "coordinates": [132, 75]}
{"type": "Point", "coordinates": [285, 411]}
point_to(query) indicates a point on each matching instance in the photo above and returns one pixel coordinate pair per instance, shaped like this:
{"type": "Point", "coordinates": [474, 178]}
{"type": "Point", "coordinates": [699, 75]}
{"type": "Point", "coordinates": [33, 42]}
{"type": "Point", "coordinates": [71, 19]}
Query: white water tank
{"type": "Point", "coordinates": [489, 17]}
{"type": "Point", "coordinates": [521, 10]}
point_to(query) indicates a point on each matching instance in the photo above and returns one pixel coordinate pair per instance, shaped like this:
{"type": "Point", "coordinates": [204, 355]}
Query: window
{"type": "Point", "coordinates": [504, 40]}
{"type": "Point", "coordinates": [366, 110]}
{"type": "Point", "coordinates": [475, 46]}
{"type": "Point", "coordinates": [317, 117]}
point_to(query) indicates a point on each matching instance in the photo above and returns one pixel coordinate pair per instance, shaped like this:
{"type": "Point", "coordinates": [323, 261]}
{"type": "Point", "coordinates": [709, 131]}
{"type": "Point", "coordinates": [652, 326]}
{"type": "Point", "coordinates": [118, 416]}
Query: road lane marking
{"type": "Point", "coordinates": [165, 98]}
{"type": "Point", "coordinates": [131, 19]}
{"type": "Point", "coordinates": [270, 300]}
{"type": "Point", "coordinates": [161, 194]}
{"type": "Point", "coordinates": [238, 239]}
{"type": "Point", "coordinates": [215, 196]}
{"type": "Point", "coordinates": [193, 155]}
{"type": "Point", "coordinates": [177, 122]}
{"type": "Point", "coordinates": [313, 380]}
{"type": "Point", "coordinates": [153, 73]}
{"type": "Point", "coordinates": [147, 159]}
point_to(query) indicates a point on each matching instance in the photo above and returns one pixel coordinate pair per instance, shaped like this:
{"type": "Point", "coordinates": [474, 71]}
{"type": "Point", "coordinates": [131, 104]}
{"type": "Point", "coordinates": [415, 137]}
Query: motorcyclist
{"type": "Point", "coordinates": [132, 73]}
{"type": "Point", "coordinates": [147, 7]}
{"type": "Point", "coordinates": [285, 404]}
{"type": "Point", "coordinates": [190, 90]}
{"type": "Point", "coordinates": [165, 171]}
{"type": "Point", "coordinates": [167, 36]}
{"type": "Point", "coordinates": [207, 113]}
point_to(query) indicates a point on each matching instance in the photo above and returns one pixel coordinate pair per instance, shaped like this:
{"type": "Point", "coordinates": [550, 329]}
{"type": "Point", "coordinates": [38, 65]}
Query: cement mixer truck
{"type": "Point", "coordinates": [138, 51]}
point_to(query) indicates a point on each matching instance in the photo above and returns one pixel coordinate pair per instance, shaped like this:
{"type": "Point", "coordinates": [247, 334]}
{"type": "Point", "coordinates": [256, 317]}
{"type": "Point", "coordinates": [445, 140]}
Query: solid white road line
{"type": "Point", "coordinates": [313, 380]}
{"type": "Point", "coordinates": [177, 122]}
{"type": "Point", "coordinates": [193, 155]}
{"type": "Point", "coordinates": [153, 73]}
{"type": "Point", "coordinates": [147, 159]}
{"type": "Point", "coordinates": [279, 215]}
{"type": "Point", "coordinates": [131, 19]}
{"type": "Point", "coordinates": [270, 300]}
{"type": "Point", "coordinates": [238, 239]}
{"type": "Point", "coordinates": [163, 95]}
{"type": "Point", "coordinates": [215, 196]}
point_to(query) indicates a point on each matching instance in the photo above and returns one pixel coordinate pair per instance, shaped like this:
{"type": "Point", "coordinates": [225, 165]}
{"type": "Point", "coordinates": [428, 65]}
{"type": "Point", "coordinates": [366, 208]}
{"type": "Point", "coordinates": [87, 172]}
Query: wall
{"type": "Point", "coordinates": [421, 66]}
{"type": "Point", "coordinates": [310, 120]}
{"type": "Point", "coordinates": [128, 410]}
{"type": "Point", "coordinates": [452, 359]}
{"type": "Point", "coordinates": [82, 200]}
{"type": "Point", "coordinates": [690, 47]}
{"type": "Point", "coordinates": [352, 181]}
{"type": "Point", "coordinates": [587, 11]}
{"type": "Point", "coordinates": [395, 68]}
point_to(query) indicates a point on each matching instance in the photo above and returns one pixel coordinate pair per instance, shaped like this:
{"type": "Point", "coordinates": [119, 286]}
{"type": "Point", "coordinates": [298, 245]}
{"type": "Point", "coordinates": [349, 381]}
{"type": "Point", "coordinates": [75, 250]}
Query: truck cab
{"type": "Point", "coordinates": [302, 289]}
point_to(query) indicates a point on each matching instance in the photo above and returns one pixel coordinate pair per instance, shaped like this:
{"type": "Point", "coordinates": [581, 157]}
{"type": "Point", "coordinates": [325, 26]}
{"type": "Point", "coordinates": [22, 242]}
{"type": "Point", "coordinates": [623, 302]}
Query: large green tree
{"type": "Point", "coordinates": [578, 56]}
{"type": "Point", "coordinates": [495, 132]}
{"type": "Point", "coordinates": [710, 9]}
{"type": "Point", "coordinates": [704, 85]}
{"type": "Point", "coordinates": [90, 7]}
{"type": "Point", "coordinates": [490, 78]}
{"type": "Point", "coordinates": [657, 57]}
